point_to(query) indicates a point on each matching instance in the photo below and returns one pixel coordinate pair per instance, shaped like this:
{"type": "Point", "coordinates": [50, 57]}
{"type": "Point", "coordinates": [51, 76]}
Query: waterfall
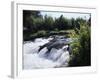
{"type": "Point", "coordinates": [33, 58]}
{"type": "Point", "coordinates": [42, 52]}
{"type": "Point", "coordinates": [55, 54]}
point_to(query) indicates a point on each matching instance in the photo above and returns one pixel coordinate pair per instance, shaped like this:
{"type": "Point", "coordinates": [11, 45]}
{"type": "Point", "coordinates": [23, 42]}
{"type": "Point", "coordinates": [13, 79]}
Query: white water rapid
{"type": "Point", "coordinates": [33, 58]}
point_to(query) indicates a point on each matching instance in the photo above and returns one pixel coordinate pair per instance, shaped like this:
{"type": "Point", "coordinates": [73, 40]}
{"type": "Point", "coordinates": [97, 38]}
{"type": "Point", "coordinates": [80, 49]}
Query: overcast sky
{"type": "Point", "coordinates": [68, 15]}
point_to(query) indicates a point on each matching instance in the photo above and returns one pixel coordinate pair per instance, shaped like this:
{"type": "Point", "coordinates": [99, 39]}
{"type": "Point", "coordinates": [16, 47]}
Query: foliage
{"type": "Point", "coordinates": [33, 22]}
{"type": "Point", "coordinates": [81, 48]}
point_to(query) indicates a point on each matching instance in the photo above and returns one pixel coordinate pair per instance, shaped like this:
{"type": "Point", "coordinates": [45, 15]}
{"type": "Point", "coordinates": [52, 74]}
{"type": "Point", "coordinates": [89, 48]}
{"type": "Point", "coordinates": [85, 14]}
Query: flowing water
{"type": "Point", "coordinates": [49, 56]}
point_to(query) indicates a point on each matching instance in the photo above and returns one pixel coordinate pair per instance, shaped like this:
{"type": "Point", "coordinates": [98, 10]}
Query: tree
{"type": "Point", "coordinates": [73, 22]}
{"type": "Point", "coordinates": [29, 22]}
{"type": "Point", "coordinates": [28, 15]}
{"type": "Point", "coordinates": [89, 22]}
{"type": "Point", "coordinates": [48, 23]}
{"type": "Point", "coordinates": [61, 23]}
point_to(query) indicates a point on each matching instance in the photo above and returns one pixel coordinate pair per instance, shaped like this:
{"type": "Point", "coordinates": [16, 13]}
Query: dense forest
{"type": "Point", "coordinates": [35, 25]}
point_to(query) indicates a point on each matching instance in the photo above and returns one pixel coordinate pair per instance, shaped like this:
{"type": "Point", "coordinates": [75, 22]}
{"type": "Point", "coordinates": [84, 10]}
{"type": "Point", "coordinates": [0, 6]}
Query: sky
{"type": "Point", "coordinates": [68, 15]}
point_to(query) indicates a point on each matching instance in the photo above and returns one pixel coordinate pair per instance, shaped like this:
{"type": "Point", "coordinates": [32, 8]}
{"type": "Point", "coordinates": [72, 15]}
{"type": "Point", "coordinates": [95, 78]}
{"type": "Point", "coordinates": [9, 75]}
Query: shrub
{"type": "Point", "coordinates": [81, 48]}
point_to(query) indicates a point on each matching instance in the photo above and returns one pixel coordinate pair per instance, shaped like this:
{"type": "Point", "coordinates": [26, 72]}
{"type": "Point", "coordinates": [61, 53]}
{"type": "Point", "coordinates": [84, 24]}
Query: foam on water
{"type": "Point", "coordinates": [33, 58]}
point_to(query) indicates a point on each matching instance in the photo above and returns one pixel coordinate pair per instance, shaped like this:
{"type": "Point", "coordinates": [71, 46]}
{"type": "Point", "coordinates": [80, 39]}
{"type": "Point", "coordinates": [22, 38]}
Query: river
{"type": "Point", "coordinates": [46, 53]}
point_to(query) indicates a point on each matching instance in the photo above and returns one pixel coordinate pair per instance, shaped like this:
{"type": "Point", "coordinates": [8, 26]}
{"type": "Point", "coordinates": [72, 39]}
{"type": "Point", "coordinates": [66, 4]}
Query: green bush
{"type": "Point", "coordinates": [81, 48]}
